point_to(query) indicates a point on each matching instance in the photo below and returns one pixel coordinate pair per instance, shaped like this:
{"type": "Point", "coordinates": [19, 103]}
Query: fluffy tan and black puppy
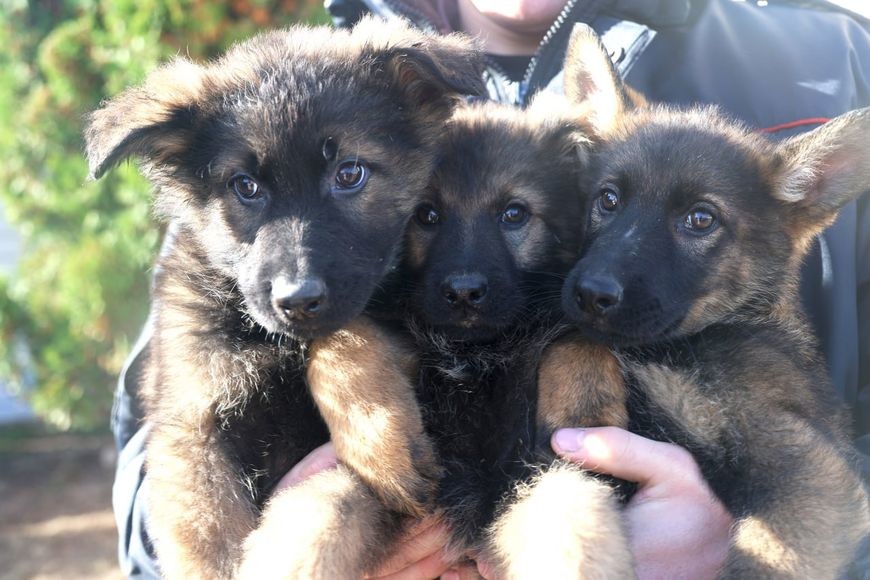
{"type": "Point", "coordinates": [288, 169]}
{"type": "Point", "coordinates": [697, 228]}
{"type": "Point", "coordinates": [486, 256]}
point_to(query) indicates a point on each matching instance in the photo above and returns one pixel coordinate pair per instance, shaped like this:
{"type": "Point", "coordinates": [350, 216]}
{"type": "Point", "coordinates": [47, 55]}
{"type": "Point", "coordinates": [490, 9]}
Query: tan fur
{"type": "Point", "coordinates": [201, 535]}
{"type": "Point", "coordinates": [812, 530]}
{"type": "Point", "coordinates": [337, 513]}
{"type": "Point", "coordinates": [360, 378]}
{"type": "Point", "coordinates": [793, 536]}
{"type": "Point", "coordinates": [580, 385]}
{"type": "Point", "coordinates": [223, 363]}
{"type": "Point", "coordinates": [677, 394]}
{"type": "Point", "coordinates": [742, 379]}
{"type": "Point", "coordinates": [565, 524]}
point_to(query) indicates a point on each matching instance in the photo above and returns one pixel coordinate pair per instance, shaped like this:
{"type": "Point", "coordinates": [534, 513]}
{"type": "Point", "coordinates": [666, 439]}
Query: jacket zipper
{"type": "Point", "coordinates": [548, 37]}
{"type": "Point", "coordinates": [416, 16]}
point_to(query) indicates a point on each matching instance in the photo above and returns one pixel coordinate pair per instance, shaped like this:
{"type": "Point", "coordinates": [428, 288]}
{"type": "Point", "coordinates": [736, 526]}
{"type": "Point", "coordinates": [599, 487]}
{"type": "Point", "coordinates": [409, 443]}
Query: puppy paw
{"type": "Point", "coordinates": [362, 379]}
{"type": "Point", "coordinates": [401, 470]}
{"type": "Point", "coordinates": [329, 526]}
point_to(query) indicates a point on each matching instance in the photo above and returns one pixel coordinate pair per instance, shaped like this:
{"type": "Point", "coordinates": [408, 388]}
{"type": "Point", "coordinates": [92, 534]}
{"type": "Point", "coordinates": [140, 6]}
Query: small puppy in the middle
{"type": "Point", "coordinates": [485, 256]}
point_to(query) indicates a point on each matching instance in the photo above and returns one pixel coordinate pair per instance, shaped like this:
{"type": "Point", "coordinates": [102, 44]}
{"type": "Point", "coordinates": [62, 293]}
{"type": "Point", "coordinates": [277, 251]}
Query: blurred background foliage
{"type": "Point", "coordinates": [71, 311]}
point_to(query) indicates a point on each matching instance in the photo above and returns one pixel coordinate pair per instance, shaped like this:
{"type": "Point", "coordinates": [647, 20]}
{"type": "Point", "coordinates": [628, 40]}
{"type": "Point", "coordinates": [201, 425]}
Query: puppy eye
{"type": "Point", "coordinates": [245, 187]}
{"type": "Point", "coordinates": [427, 215]}
{"type": "Point", "coordinates": [330, 149]}
{"type": "Point", "coordinates": [351, 176]}
{"type": "Point", "coordinates": [609, 198]}
{"type": "Point", "coordinates": [514, 215]}
{"type": "Point", "coordinates": [700, 220]}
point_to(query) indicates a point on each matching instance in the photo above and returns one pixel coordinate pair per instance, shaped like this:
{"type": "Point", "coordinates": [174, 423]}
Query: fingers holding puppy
{"type": "Point", "coordinates": [678, 528]}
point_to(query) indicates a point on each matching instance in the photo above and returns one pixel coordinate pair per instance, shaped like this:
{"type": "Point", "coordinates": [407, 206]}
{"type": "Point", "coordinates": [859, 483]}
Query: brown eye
{"type": "Point", "coordinates": [427, 215]}
{"type": "Point", "coordinates": [609, 198]}
{"type": "Point", "coordinates": [350, 177]}
{"type": "Point", "coordinates": [700, 220]}
{"type": "Point", "coordinates": [245, 187]}
{"type": "Point", "coordinates": [514, 214]}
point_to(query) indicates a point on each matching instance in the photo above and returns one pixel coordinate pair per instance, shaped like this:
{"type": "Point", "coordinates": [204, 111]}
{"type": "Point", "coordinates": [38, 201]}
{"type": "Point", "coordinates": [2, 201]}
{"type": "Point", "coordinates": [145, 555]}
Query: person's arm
{"type": "Point", "coordinates": [135, 552]}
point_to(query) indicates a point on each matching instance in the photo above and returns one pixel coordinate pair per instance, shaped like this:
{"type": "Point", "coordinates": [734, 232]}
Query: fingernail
{"type": "Point", "coordinates": [450, 575]}
{"type": "Point", "coordinates": [568, 440]}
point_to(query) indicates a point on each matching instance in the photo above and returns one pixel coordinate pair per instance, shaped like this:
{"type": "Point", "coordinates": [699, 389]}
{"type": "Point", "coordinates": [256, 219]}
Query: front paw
{"type": "Point", "coordinates": [402, 470]}
{"type": "Point", "coordinates": [329, 526]}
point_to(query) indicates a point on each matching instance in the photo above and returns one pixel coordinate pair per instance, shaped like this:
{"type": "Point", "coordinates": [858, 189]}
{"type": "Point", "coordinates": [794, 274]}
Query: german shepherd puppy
{"type": "Point", "coordinates": [289, 169]}
{"type": "Point", "coordinates": [486, 256]}
{"type": "Point", "coordinates": [696, 230]}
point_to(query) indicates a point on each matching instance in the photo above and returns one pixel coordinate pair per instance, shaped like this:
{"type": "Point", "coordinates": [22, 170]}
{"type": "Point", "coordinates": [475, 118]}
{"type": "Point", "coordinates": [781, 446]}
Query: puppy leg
{"type": "Point", "coordinates": [199, 512]}
{"type": "Point", "coordinates": [564, 524]}
{"type": "Point", "coordinates": [330, 526]}
{"type": "Point", "coordinates": [800, 505]}
{"type": "Point", "coordinates": [807, 510]}
{"type": "Point", "coordinates": [360, 378]}
{"type": "Point", "coordinates": [579, 385]}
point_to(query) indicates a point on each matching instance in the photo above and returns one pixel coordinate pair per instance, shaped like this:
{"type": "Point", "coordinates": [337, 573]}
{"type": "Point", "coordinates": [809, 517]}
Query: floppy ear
{"type": "Point", "coordinates": [433, 74]}
{"type": "Point", "coordinates": [430, 69]}
{"type": "Point", "coordinates": [820, 171]}
{"type": "Point", "coordinates": [592, 82]}
{"type": "Point", "coordinates": [152, 121]}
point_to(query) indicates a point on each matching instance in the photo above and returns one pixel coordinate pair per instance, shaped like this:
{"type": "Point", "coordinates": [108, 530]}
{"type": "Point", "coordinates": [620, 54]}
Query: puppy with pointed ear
{"type": "Point", "coordinates": [593, 84]}
{"type": "Point", "coordinates": [690, 273]}
{"type": "Point", "coordinates": [819, 172]}
{"type": "Point", "coordinates": [288, 169]}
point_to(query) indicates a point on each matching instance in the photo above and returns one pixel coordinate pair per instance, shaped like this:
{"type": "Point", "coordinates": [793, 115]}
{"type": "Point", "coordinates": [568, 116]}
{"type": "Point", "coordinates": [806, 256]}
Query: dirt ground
{"type": "Point", "coordinates": [55, 507]}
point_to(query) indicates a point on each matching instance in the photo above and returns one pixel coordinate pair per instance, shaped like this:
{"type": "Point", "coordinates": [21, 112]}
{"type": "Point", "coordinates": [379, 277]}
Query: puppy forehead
{"type": "Point", "coordinates": [668, 154]}
{"type": "Point", "coordinates": [285, 116]}
{"type": "Point", "coordinates": [492, 156]}
{"type": "Point", "coordinates": [250, 150]}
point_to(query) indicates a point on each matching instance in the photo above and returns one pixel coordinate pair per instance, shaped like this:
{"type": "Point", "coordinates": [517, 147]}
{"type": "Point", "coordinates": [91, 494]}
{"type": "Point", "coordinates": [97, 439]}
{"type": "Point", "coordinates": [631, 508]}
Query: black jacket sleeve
{"type": "Point", "coordinates": [135, 552]}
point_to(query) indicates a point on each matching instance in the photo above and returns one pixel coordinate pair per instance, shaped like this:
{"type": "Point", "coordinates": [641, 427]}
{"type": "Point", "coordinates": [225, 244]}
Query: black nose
{"type": "Point", "coordinates": [598, 295]}
{"type": "Point", "coordinates": [305, 298]}
{"type": "Point", "coordinates": [465, 289]}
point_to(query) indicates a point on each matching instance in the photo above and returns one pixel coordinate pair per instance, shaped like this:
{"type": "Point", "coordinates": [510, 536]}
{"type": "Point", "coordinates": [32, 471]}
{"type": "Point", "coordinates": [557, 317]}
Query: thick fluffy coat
{"type": "Point", "coordinates": [288, 170]}
{"type": "Point", "coordinates": [697, 227]}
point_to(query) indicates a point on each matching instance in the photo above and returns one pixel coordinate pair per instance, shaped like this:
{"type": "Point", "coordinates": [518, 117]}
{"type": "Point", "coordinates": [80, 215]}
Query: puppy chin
{"type": "Point", "coordinates": [473, 330]}
{"type": "Point", "coordinates": [625, 335]}
{"type": "Point", "coordinates": [301, 329]}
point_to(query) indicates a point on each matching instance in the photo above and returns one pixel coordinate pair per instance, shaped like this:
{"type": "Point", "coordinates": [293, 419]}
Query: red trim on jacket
{"type": "Point", "coordinates": [798, 123]}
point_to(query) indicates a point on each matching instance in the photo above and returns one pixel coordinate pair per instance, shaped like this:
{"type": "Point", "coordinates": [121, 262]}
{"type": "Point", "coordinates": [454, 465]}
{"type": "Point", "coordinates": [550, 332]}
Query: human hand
{"type": "Point", "coordinates": [321, 459]}
{"type": "Point", "coordinates": [419, 554]}
{"type": "Point", "coordinates": [678, 528]}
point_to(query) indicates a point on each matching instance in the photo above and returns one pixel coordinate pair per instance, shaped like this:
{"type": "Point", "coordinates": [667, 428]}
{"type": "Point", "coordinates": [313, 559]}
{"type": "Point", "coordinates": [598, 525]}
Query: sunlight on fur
{"type": "Point", "coordinates": [756, 539]}
{"type": "Point", "coordinates": [573, 520]}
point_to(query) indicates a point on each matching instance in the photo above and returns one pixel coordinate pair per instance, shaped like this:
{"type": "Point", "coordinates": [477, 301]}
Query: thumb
{"type": "Point", "coordinates": [321, 459]}
{"type": "Point", "coordinates": [617, 452]}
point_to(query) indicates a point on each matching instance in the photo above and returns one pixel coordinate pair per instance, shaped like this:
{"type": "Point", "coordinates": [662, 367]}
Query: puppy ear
{"type": "Point", "coordinates": [430, 69]}
{"type": "Point", "coordinates": [592, 82]}
{"type": "Point", "coordinates": [152, 121]}
{"type": "Point", "coordinates": [820, 171]}
{"type": "Point", "coordinates": [558, 122]}
{"type": "Point", "coordinates": [430, 73]}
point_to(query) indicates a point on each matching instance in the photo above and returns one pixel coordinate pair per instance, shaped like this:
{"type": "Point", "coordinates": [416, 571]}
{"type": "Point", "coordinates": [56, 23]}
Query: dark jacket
{"type": "Point", "coordinates": [782, 68]}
